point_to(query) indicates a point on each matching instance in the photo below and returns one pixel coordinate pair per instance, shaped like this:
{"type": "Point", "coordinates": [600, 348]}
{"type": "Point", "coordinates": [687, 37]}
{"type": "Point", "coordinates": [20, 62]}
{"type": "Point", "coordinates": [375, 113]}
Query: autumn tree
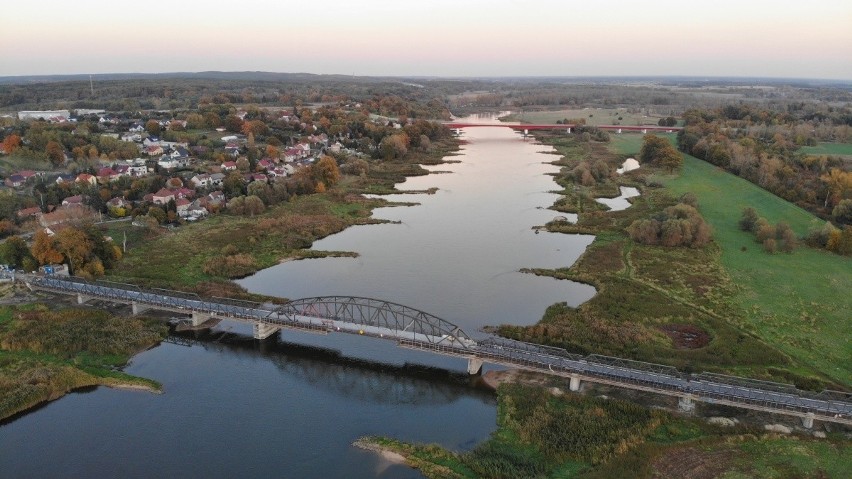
{"type": "Point", "coordinates": [659, 151]}
{"type": "Point", "coordinates": [11, 143]}
{"type": "Point", "coordinates": [394, 146]}
{"type": "Point", "coordinates": [839, 185]}
{"type": "Point", "coordinates": [842, 213]}
{"type": "Point", "coordinates": [326, 171]}
{"type": "Point", "coordinates": [44, 249]}
{"type": "Point", "coordinates": [55, 152]}
{"type": "Point", "coordinates": [75, 246]}
{"type": "Point", "coordinates": [152, 127]}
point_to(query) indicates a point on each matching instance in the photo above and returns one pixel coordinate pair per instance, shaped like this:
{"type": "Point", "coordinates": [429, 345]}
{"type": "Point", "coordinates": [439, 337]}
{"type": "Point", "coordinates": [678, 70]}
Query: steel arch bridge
{"type": "Point", "coordinates": [415, 329]}
{"type": "Point", "coordinates": [377, 317]}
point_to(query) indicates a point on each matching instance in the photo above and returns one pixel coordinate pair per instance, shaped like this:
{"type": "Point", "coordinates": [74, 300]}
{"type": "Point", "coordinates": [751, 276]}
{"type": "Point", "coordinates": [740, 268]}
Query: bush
{"type": "Point", "coordinates": [748, 220]}
{"type": "Point", "coordinates": [679, 225]}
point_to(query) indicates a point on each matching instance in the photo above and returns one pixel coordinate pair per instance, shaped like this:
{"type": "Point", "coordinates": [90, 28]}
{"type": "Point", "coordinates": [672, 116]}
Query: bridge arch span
{"type": "Point", "coordinates": [376, 316]}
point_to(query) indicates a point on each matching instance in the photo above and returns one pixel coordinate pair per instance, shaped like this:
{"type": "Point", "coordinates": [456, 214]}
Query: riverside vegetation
{"type": "Point", "coordinates": [545, 435]}
{"type": "Point", "coordinates": [45, 353]}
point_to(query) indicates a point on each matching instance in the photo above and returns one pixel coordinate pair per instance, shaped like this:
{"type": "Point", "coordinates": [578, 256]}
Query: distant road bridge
{"type": "Point", "coordinates": [415, 329]}
{"type": "Point", "coordinates": [526, 128]}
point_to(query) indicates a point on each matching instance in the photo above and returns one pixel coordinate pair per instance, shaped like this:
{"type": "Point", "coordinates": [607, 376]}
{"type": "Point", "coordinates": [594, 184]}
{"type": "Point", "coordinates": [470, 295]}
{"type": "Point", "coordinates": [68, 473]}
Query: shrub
{"type": "Point", "coordinates": [748, 220]}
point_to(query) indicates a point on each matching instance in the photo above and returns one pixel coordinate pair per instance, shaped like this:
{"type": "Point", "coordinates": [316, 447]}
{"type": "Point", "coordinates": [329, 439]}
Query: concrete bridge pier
{"type": "Point", "coordinates": [569, 131]}
{"type": "Point", "coordinates": [138, 308]}
{"type": "Point", "coordinates": [644, 131]}
{"type": "Point", "coordinates": [263, 330]}
{"type": "Point", "coordinates": [81, 298]}
{"type": "Point", "coordinates": [474, 366]}
{"type": "Point", "coordinates": [574, 385]}
{"type": "Point", "coordinates": [686, 404]}
{"type": "Point", "coordinates": [199, 318]}
{"type": "Point", "coordinates": [808, 421]}
{"type": "Point", "coordinates": [619, 131]}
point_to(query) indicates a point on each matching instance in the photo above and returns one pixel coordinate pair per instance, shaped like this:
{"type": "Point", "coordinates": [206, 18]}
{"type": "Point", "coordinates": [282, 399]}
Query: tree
{"type": "Point", "coordinates": [326, 171]}
{"type": "Point", "coordinates": [842, 213]}
{"type": "Point", "coordinates": [152, 127]}
{"type": "Point", "coordinates": [839, 184]}
{"type": "Point", "coordinates": [394, 146]}
{"type": "Point", "coordinates": [55, 152]}
{"type": "Point", "coordinates": [44, 249]}
{"type": "Point", "coordinates": [14, 251]}
{"type": "Point", "coordinates": [11, 143]}
{"type": "Point", "coordinates": [659, 151]}
{"type": "Point", "coordinates": [74, 244]}
{"type": "Point", "coordinates": [253, 205]}
{"type": "Point", "coordinates": [748, 219]}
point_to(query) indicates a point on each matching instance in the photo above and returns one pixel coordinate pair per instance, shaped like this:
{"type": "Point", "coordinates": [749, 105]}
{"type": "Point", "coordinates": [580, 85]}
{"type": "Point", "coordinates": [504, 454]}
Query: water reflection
{"type": "Point", "coordinates": [360, 379]}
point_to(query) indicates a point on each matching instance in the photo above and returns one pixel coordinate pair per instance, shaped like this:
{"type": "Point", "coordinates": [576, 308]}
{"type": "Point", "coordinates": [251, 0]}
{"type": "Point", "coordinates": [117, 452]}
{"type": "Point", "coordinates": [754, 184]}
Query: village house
{"type": "Point", "coordinates": [229, 166]}
{"type": "Point", "coordinates": [15, 181]}
{"type": "Point", "coordinates": [265, 164]}
{"type": "Point", "coordinates": [182, 205]}
{"type": "Point", "coordinates": [117, 202]}
{"type": "Point", "coordinates": [153, 150]}
{"type": "Point", "coordinates": [106, 175]}
{"type": "Point", "coordinates": [201, 180]}
{"type": "Point", "coordinates": [216, 179]}
{"type": "Point", "coordinates": [33, 212]}
{"type": "Point", "coordinates": [86, 178]}
{"type": "Point", "coordinates": [162, 197]}
{"type": "Point", "coordinates": [65, 178]}
{"type": "Point", "coordinates": [73, 201]}
{"type": "Point", "coordinates": [216, 198]}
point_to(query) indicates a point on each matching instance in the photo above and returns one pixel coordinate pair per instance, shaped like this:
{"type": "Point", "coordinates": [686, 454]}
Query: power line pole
{"type": "Point", "coordinates": [91, 85]}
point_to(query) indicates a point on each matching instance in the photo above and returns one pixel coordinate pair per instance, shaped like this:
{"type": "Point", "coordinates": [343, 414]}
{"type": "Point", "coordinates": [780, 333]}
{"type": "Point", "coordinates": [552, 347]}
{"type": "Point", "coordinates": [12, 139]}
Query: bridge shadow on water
{"type": "Point", "coordinates": [356, 378]}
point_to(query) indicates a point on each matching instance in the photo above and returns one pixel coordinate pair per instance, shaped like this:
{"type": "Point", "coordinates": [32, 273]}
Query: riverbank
{"type": "Point", "coordinates": [47, 351]}
{"type": "Point", "coordinates": [545, 432]}
{"type": "Point", "coordinates": [209, 254]}
{"type": "Point", "coordinates": [669, 305]}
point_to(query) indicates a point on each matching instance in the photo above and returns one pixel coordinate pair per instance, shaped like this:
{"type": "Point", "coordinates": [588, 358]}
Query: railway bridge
{"type": "Point", "coordinates": [569, 127]}
{"type": "Point", "coordinates": [415, 329]}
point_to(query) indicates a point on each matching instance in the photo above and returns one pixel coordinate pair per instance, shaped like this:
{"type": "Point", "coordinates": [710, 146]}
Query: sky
{"type": "Point", "coordinates": [749, 38]}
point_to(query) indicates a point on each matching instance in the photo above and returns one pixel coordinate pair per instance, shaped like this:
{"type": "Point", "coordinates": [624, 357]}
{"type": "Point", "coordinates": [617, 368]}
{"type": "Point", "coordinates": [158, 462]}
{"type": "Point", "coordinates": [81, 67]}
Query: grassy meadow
{"type": "Point", "coordinates": [593, 116]}
{"type": "Point", "coordinates": [799, 302]}
{"type": "Point", "coordinates": [839, 149]}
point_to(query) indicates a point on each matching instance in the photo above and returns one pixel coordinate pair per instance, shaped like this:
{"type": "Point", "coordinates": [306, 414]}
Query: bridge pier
{"type": "Point", "coordinates": [199, 318]}
{"type": "Point", "coordinates": [474, 366]}
{"type": "Point", "coordinates": [808, 421]}
{"type": "Point", "coordinates": [569, 131]}
{"type": "Point", "coordinates": [644, 131]}
{"type": "Point", "coordinates": [81, 298]}
{"type": "Point", "coordinates": [138, 308]}
{"type": "Point", "coordinates": [686, 404]}
{"type": "Point", "coordinates": [263, 330]}
{"type": "Point", "coordinates": [574, 385]}
{"type": "Point", "coordinates": [619, 131]}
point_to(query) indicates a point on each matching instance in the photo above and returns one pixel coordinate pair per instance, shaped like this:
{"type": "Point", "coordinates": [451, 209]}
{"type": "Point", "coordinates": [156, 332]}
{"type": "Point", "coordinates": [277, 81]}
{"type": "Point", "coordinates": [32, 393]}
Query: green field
{"type": "Point", "coordinates": [593, 116]}
{"type": "Point", "coordinates": [842, 149]}
{"type": "Point", "coordinates": [799, 302]}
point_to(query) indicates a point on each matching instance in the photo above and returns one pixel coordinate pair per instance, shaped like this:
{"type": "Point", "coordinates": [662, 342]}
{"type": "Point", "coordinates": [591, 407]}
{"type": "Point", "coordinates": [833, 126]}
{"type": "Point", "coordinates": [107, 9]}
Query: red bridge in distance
{"type": "Point", "coordinates": [567, 126]}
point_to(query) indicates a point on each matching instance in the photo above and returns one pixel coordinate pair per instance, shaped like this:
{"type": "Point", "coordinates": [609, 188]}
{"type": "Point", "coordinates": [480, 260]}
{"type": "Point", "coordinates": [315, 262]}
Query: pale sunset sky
{"type": "Point", "coordinates": [781, 38]}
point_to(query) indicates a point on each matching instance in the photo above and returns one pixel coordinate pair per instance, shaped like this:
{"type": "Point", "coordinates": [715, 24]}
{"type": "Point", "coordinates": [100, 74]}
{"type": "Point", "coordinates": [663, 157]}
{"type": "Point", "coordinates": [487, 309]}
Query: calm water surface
{"type": "Point", "coordinates": [458, 253]}
{"type": "Point", "coordinates": [290, 407]}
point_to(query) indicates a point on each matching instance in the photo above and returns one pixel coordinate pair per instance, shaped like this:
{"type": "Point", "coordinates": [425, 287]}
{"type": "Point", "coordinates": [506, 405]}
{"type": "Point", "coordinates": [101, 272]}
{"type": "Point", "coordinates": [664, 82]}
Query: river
{"type": "Point", "coordinates": [291, 406]}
